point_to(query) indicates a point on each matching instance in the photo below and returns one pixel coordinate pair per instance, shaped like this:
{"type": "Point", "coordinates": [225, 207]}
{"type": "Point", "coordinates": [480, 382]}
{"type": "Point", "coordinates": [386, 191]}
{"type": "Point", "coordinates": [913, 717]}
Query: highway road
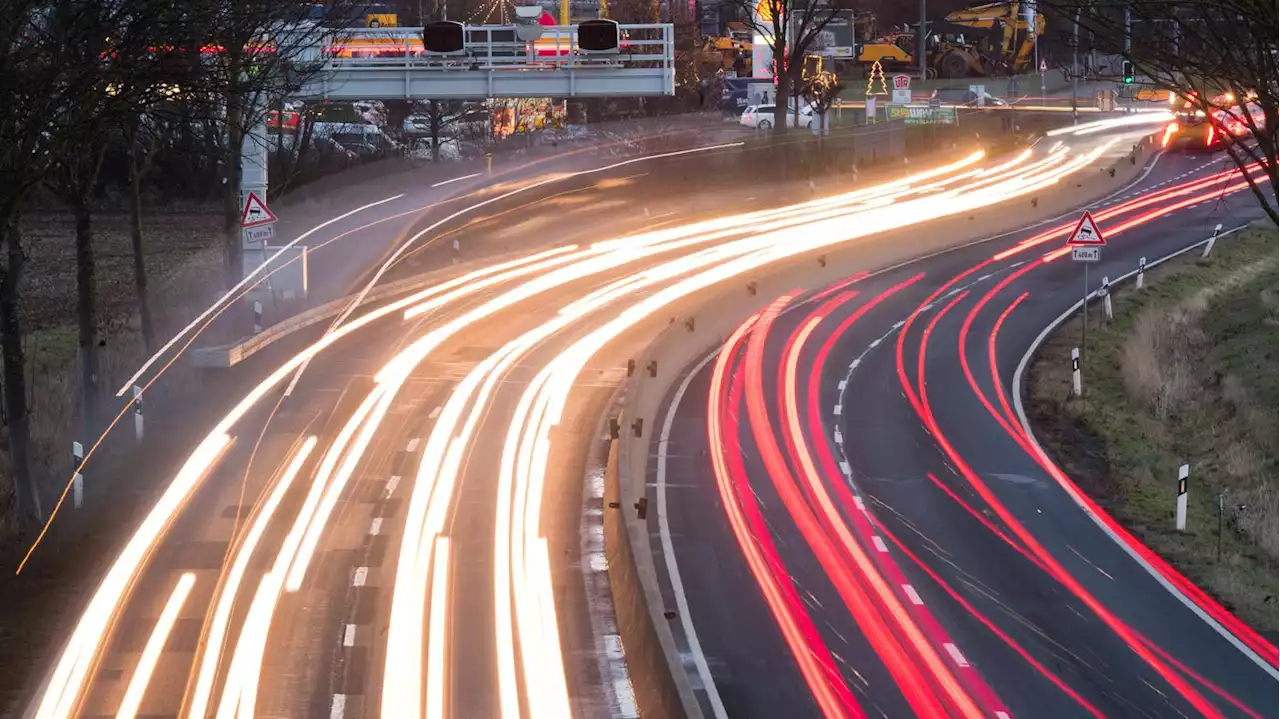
{"type": "Point", "coordinates": [384, 517]}
{"type": "Point", "coordinates": [861, 527]}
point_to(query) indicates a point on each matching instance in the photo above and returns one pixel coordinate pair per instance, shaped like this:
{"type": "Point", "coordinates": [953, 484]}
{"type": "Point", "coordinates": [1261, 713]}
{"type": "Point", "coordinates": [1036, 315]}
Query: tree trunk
{"type": "Point", "coordinates": [783, 94]}
{"type": "Point", "coordinates": [135, 232]}
{"type": "Point", "coordinates": [435, 131]}
{"type": "Point", "coordinates": [232, 251]}
{"type": "Point", "coordinates": [86, 311]}
{"type": "Point", "coordinates": [26, 494]}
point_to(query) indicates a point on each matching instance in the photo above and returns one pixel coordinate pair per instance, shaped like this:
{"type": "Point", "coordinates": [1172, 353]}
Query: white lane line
{"type": "Point", "coordinates": [842, 384]}
{"type": "Point", "coordinates": [880, 545]}
{"type": "Point", "coordinates": [911, 593]}
{"type": "Point", "coordinates": [412, 445]}
{"type": "Point", "coordinates": [338, 707]}
{"type": "Point", "coordinates": [837, 409]}
{"type": "Point", "coordinates": [956, 656]}
{"type": "Point", "coordinates": [442, 183]}
{"type": "Point", "coordinates": [898, 325]}
{"type": "Point", "coordinates": [1003, 715]}
{"type": "Point", "coordinates": [852, 366]}
{"type": "Point", "coordinates": [375, 527]}
{"type": "Point", "coordinates": [875, 343]}
{"type": "Point", "coordinates": [392, 484]}
{"type": "Point", "coordinates": [839, 437]}
{"type": "Point", "coordinates": [434, 413]}
{"type": "Point", "coordinates": [362, 574]}
{"type": "Point", "coordinates": [349, 636]}
{"type": "Point", "coordinates": [845, 468]}
{"type": "Point", "coordinates": [1020, 410]}
{"type": "Point", "coordinates": [857, 502]}
{"type": "Point", "coordinates": [669, 553]}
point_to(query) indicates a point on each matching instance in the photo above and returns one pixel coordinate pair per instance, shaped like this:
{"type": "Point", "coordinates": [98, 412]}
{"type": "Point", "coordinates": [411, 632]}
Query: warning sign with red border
{"type": "Point", "coordinates": [255, 213]}
{"type": "Point", "coordinates": [1086, 233]}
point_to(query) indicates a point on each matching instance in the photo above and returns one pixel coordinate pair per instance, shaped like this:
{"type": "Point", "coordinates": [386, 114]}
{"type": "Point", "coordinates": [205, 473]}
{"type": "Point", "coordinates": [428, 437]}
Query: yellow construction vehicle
{"type": "Point", "coordinates": [890, 50]}
{"type": "Point", "coordinates": [731, 51]}
{"type": "Point", "coordinates": [983, 40]}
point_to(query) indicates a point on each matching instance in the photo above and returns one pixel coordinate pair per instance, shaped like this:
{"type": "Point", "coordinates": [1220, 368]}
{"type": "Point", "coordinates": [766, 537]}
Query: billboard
{"type": "Point", "coordinates": [922, 115]}
{"type": "Point", "coordinates": [835, 40]}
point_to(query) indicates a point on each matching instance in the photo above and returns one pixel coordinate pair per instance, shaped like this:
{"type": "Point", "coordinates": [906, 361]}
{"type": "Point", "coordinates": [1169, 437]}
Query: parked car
{"type": "Point", "coordinates": [761, 117]}
{"type": "Point", "coordinates": [964, 96]}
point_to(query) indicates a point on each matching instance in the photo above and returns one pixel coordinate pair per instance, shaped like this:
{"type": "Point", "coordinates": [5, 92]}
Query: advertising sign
{"type": "Point", "coordinates": [923, 115]}
{"type": "Point", "coordinates": [836, 39]}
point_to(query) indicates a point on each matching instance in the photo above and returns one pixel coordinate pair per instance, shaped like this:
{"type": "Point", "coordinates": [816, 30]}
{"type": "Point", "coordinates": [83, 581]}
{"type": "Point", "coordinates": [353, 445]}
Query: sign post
{"type": "Point", "coordinates": [137, 412]}
{"type": "Point", "coordinates": [77, 482]}
{"type": "Point", "coordinates": [1086, 243]}
{"type": "Point", "coordinates": [1180, 513]}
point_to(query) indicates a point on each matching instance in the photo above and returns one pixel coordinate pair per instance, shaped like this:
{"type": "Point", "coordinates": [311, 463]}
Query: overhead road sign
{"type": "Point", "coordinates": [255, 213]}
{"type": "Point", "coordinates": [1086, 233]}
{"type": "Point", "coordinates": [493, 62]}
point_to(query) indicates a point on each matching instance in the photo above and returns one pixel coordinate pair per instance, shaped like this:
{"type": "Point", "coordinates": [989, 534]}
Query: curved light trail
{"type": "Point", "coordinates": [677, 263]}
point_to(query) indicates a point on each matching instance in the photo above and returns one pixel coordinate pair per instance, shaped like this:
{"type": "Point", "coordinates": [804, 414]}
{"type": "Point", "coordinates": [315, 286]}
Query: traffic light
{"type": "Point", "coordinates": [444, 38]}
{"type": "Point", "coordinates": [1127, 72]}
{"type": "Point", "coordinates": [598, 36]}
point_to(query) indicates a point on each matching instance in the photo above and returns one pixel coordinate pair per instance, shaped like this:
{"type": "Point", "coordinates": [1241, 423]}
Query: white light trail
{"type": "Point", "coordinates": [216, 632]}
{"type": "Point", "coordinates": [155, 644]}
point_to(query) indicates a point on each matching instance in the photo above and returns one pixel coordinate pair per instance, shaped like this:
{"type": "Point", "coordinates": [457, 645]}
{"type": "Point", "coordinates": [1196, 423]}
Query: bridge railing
{"type": "Point", "coordinates": [494, 47]}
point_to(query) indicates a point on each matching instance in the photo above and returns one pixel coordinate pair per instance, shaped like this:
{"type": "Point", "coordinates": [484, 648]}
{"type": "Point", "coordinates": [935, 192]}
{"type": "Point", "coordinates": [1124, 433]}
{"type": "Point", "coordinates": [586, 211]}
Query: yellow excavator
{"type": "Point", "coordinates": [983, 40]}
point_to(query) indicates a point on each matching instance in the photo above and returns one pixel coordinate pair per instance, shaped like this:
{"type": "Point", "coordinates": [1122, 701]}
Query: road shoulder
{"type": "Point", "coordinates": [1184, 374]}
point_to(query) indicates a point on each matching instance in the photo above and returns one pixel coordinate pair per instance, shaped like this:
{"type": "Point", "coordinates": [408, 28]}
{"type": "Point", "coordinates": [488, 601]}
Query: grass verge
{"type": "Point", "coordinates": [1185, 374]}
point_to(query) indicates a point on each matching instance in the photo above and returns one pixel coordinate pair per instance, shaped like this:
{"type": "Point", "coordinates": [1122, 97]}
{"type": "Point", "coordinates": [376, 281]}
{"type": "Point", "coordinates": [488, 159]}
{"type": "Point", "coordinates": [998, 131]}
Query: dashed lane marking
{"type": "Point", "coordinates": [956, 656]}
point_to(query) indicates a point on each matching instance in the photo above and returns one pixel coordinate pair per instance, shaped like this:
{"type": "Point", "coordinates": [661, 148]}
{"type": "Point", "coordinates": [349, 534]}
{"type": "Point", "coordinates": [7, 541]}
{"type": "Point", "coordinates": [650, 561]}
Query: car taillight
{"type": "Point", "coordinates": [1208, 136]}
{"type": "Point", "coordinates": [1168, 133]}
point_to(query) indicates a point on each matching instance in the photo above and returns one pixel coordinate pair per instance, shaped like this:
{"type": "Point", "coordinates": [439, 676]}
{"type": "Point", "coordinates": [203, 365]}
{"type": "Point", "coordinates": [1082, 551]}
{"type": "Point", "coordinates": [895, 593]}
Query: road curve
{"type": "Point", "coordinates": [393, 531]}
{"type": "Point", "coordinates": [847, 479]}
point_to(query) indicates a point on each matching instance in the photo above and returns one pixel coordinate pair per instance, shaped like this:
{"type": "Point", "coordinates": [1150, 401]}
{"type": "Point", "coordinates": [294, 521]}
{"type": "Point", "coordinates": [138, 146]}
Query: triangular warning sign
{"type": "Point", "coordinates": [255, 213]}
{"type": "Point", "coordinates": [1086, 233]}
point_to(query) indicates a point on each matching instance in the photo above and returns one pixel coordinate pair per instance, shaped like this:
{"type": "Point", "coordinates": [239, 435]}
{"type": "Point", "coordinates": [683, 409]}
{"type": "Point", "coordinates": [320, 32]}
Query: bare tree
{"type": "Point", "coordinates": [790, 28]}
{"type": "Point", "coordinates": [57, 75]}
{"type": "Point", "coordinates": [263, 51]}
{"type": "Point", "coordinates": [1219, 56]}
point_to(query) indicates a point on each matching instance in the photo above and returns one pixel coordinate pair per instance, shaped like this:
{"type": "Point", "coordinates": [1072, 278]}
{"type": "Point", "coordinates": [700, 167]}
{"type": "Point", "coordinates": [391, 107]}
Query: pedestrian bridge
{"type": "Point", "coordinates": [391, 64]}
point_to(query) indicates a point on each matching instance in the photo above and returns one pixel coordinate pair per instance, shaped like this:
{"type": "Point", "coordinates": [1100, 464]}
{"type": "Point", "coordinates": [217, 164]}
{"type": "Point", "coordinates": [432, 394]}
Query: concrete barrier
{"type": "Point", "coordinates": [647, 633]}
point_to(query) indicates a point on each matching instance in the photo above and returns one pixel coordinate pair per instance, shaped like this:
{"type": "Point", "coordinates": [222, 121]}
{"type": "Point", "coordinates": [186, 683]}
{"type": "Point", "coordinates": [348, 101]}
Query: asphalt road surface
{"type": "Point", "coordinates": [385, 518]}
{"type": "Point", "coordinates": [871, 538]}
